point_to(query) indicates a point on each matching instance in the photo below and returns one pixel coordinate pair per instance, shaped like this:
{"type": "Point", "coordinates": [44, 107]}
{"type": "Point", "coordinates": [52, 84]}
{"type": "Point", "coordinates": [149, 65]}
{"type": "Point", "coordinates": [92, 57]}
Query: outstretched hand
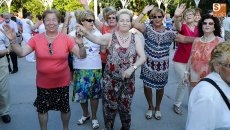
{"type": "Point", "coordinates": [9, 32]}
{"type": "Point", "coordinates": [147, 8]}
{"type": "Point", "coordinates": [84, 2]}
{"type": "Point", "coordinates": [179, 10]}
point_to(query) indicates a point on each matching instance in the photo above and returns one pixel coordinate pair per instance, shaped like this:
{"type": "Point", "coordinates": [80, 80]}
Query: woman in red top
{"type": "Point", "coordinates": [53, 74]}
{"type": "Point", "coordinates": [186, 27]}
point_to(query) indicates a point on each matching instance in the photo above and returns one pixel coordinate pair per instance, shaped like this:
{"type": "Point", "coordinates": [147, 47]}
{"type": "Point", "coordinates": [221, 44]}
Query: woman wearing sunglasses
{"type": "Point", "coordinates": [185, 25]}
{"type": "Point", "coordinates": [108, 25]}
{"type": "Point", "coordinates": [207, 109]}
{"type": "Point", "coordinates": [154, 72]}
{"type": "Point", "coordinates": [53, 73]}
{"type": "Point", "coordinates": [209, 30]}
{"type": "Point", "coordinates": [87, 72]}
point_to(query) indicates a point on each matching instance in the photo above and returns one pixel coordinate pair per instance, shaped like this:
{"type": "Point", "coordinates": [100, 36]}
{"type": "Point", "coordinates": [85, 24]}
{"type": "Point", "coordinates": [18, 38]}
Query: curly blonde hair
{"type": "Point", "coordinates": [220, 54]}
{"type": "Point", "coordinates": [124, 11]}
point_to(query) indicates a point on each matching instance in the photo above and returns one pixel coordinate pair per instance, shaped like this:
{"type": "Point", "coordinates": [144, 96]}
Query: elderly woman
{"type": "Point", "coordinates": [154, 72]}
{"type": "Point", "coordinates": [53, 73]}
{"type": "Point", "coordinates": [87, 72]}
{"type": "Point", "coordinates": [207, 109]}
{"type": "Point", "coordinates": [186, 27]}
{"type": "Point", "coordinates": [119, 77]}
{"type": "Point", "coordinates": [209, 29]}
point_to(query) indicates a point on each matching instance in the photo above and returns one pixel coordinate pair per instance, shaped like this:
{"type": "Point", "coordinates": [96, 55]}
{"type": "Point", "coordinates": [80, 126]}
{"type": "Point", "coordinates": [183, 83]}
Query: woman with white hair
{"type": "Point", "coordinates": [119, 77]}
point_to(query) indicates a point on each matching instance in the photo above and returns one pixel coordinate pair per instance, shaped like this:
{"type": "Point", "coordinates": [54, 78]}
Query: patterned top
{"type": "Point", "coordinates": [119, 59]}
{"type": "Point", "coordinates": [154, 71]}
{"type": "Point", "coordinates": [201, 54]}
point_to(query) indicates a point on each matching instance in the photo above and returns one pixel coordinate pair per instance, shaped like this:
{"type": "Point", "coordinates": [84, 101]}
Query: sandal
{"type": "Point", "coordinates": [149, 114]}
{"type": "Point", "coordinates": [177, 110]}
{"type": "Point", "coordinates": [95, 124]}
{"type": "Point", "coordinates": [157, 115]}
{"type": "Point", "coordinates": [83, 120]}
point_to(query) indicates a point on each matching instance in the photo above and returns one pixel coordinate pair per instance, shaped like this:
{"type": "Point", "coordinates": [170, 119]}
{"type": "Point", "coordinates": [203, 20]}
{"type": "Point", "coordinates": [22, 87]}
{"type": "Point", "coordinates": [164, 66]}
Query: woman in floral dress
{"type": "Point", "coordinates": [118, 79]}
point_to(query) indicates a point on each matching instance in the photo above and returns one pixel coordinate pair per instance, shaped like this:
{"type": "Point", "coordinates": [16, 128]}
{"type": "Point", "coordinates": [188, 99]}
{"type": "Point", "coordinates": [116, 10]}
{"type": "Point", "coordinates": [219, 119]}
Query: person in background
{"type": "Point", "coordinates": [186, 27]}
{"type": "Point", "coordinates": [28, 27]}
{"type": "Point", "coordinates": [39, 23]}
{"type": "Point", "coordinates": [4, 78]}
{"type": "Point", "coordinates": [226, 26]}
{"type": "Point", "coordinates": [154, 72]}
{"type": "Point", "coordinates": [87, 72]}
{"type": "Point", "coordinates": [108, 26]}
{"type": "Point", "coordinates": [12, 56]}
{"type": "Point", "coordinates": [53, 73]}
{"type": "Point", "coordinates": [197, 17]}
{"type": "Point", "coordinates": [168, 21]}
{"type": "Point", "coordinates": [119, 74]}
{"type": "Point", "coordinates": [209, 36]}
{"type": "Point", "coordinates": [207, 109]}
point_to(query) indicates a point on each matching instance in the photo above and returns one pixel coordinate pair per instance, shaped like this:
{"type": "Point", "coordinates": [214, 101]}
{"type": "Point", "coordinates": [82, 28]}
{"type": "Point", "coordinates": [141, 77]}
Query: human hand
{"type": "Point", "coordinates": [179, 10]}
{"type": "Point", "coordinates": [185, 79]}
{"type": "Point", "coordinates": [9, 32]}
{"type": "Point", "coordinates": [127, 73]}
{"type": "Point", "coordinates": [147, 9]}
{"type": "Point", "coordinates": [84, 2]}
{"type": "Point", "coordinates": [81, 30]}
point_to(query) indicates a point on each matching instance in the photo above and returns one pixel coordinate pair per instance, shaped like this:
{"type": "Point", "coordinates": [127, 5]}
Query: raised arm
{"type": "Point", "coordinates": [178, 16]}
{"type": "Point", "coordinates": [66, 23]}
{"type": "Point", "coordinates": [136, 23]}
{"type": "Point", "coordinates": [11, 34]}
{"type": "Point", "coordinates": [79, 49]}
{"type": "Point", "coordinates": [100, 40]}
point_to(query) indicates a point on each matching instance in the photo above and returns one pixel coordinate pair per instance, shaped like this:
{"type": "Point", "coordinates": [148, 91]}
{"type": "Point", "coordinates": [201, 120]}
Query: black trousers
{"type": "Point", "coordinates": [14, 59]}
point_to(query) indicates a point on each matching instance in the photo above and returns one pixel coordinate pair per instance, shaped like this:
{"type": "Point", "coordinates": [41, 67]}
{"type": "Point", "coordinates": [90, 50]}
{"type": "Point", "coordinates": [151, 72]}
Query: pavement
{"type": "Point", "coordinates": [24, 115]}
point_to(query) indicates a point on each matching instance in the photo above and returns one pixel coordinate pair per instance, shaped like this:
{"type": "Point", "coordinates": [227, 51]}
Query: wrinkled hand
{"type": "Point", "coordinates": [84, 2]}
{"type": "Point", "coordinates": [9, 32]}
{"type": "Point", "coordinates": [147, 8]}
{"type": "Point", "coordinates": [78, 39]}
{"type": "Point", "coordinates": [127, 73]}
{"type": "Point", "coordinates": [179, 10]}
{"type": "Point", "coordinates": [81, 31]}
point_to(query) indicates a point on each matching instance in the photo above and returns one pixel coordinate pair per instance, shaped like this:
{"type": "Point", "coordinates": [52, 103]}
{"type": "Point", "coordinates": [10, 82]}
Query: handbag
{"type": "Point", "coordinates": [218, 88]}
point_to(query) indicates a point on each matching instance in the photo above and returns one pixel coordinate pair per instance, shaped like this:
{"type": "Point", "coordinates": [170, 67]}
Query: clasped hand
{"type": "Point", "coordinates": [127, 73]}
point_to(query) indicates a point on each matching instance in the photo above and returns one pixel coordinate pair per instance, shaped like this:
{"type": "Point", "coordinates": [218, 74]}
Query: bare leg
{"type": "Point", "coordinates": [43, 119]}
{"type": "Point", "coordinates": [94, 106]}
{"type": "Point", "coordinates": [148, 96]}
{"type": "Point", "coordinates": [84, 107]}
{"type": "Point", "coordinates": [159, 96]}
{"type": "Point", "coordinates": [65, 117]}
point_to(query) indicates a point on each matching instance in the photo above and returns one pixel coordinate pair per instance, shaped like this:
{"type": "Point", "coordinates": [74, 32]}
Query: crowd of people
{"type": "Point", "coordinates": [98, 58]}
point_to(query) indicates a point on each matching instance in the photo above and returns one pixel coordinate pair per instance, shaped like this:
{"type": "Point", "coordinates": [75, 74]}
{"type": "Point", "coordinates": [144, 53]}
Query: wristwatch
{"type": "Point", "coordinates": [135, 67]}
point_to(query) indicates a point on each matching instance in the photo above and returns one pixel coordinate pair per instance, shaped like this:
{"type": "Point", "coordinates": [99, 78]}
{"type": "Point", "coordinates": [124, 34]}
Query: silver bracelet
{"type": "Point", "coordinates": [13, 41]}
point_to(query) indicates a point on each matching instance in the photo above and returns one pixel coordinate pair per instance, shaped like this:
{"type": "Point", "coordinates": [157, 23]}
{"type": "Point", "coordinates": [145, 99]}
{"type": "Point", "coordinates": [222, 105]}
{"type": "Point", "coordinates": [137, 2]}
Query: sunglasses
{"type": "Point", "coordinates": [208, 23]}
{"type": "Point", "coordinates": [111, 18]}
{"type": "Point", "coordinates": [50, 45]}
{"type": "Point", "coordinates": [225, 65]}
{"type": "Point", "coordinates": [90, 20]}
{"type": "Point", "coordinates": [159, 17]}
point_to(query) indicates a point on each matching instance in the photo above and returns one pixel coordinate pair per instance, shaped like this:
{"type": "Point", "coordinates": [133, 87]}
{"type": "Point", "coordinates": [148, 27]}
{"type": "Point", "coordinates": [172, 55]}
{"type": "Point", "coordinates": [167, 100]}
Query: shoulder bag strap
{"type": "Point", "coordinates": [218, 88]}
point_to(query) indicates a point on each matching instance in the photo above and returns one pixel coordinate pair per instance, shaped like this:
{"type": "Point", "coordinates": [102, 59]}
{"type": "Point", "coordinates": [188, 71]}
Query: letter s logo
{"type": "Point", "coordinates": [216, 7]}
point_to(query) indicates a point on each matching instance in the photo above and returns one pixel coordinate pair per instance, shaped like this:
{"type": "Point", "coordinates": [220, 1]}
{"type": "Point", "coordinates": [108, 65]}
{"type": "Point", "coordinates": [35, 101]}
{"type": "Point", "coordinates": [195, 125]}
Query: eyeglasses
{"type": "Point", "coordinates": [225, 65]}
{"type": "Point", "coordinates": [159, 17]}
{"type": "Point", "coordinates": [50, 45]}
{"type": "Point", "coordinates": [90, 20]}
{"type": "Point", "coordinates": [111, 18]}
{"type": "Point", "coordinates": [208, 23]}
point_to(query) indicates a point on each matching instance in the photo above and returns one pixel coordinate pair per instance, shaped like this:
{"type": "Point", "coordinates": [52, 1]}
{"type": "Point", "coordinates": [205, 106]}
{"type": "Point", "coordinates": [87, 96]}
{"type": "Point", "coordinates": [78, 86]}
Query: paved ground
{"type": "Point", "coordinates": [24, 116]}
